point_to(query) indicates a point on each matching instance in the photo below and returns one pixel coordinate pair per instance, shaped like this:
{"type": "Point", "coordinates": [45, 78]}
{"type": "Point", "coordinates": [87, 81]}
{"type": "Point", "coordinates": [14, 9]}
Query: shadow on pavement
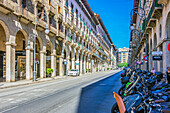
{"type": "Point", "coordinates": [98, 97]}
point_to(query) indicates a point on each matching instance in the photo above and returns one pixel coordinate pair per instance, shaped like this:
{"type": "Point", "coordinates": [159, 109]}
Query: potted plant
{"type": "Point", "coordinates": [107, 68]}
{"type": "Point", "coordinates": [49, 71]}
{"type": "Point", "coordinates": [89, 70]}
{"type": "Point", "coordinates": [111, 68]}
{"type": "Point", "coordinates": [97, 69]}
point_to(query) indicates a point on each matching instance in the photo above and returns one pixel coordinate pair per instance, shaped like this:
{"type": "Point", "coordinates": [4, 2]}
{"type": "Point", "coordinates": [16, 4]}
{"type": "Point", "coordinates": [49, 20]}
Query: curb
{"type": "Point", "coordinates": [40, 81]}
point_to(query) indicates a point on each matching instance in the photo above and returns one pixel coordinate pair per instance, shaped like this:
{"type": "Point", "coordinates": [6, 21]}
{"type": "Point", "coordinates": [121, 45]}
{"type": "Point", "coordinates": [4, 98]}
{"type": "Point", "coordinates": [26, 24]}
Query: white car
{"type": "Point", "coordinates": [73, 72]}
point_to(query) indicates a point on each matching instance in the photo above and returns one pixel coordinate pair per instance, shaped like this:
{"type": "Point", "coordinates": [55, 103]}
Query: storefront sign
{"type": "Point", "coordinates": [157, 57]}
{"type": "Point", "coordinates": [157, 53]}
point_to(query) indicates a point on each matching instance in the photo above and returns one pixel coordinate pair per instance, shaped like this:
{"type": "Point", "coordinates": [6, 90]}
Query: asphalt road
{"type": "Point", "coordinates": [84, 94]}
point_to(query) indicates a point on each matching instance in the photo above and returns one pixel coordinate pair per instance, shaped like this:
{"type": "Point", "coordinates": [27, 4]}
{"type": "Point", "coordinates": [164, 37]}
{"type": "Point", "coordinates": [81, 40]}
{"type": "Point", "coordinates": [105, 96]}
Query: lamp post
{"type": "Point", "coordinates": [35, 34]}
{"type": "Point", "coordinates": [143, 17]}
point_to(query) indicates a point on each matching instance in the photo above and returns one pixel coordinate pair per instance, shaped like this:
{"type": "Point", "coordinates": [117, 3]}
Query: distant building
{"type": "Point", "coordinates": [123, 55]}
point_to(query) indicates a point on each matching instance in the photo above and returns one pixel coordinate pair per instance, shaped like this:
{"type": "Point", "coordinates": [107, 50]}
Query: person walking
{"type": "Point", "coordinates": [153, 71]}
{"type": "Point", "coordinates": [168, 75]}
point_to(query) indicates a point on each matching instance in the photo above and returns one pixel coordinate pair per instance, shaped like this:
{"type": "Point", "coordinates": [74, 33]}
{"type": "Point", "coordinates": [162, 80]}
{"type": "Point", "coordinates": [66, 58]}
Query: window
{"type": "Point", "coordinates": [50, 2]}
{"type": "Point", "coordinates": [160, 31]}
{"type": "Point", "coordinates": [59, 10]}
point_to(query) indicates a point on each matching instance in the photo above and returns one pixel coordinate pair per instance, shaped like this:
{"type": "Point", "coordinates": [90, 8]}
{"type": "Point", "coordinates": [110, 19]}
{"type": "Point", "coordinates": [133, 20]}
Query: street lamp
{"type": "Point", "coordinates": [35, 34]}
{"type": "Point", "coordinates": [141, 14]}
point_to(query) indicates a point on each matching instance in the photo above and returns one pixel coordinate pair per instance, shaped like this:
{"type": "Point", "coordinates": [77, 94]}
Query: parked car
{"type": "Point", "coordinates": [73, 72]}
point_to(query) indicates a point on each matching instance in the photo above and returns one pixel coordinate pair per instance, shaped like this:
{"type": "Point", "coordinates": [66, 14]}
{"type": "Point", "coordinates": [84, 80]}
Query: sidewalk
{"type": "Point", "coordinates": [27, 82]}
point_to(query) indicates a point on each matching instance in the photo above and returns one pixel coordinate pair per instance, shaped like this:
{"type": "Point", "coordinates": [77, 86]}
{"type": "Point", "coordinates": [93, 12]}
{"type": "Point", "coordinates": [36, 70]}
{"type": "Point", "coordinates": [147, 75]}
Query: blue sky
{"type": "Point", "coordinates": [116, 17]}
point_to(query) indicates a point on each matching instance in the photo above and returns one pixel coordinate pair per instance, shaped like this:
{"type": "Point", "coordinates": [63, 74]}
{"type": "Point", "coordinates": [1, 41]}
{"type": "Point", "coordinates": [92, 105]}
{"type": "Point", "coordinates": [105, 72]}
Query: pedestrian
{"type": "Point", "coordinates": [168, 75]}
{"type": "Point", "coordinates": [153, 71]}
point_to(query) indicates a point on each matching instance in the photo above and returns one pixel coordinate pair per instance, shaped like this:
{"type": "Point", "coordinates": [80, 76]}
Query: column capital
{"type": "Point", "coordinates": [10, 44]}
{"type": "Point", "coordinates": [44, 52]}
{"type": "Point", "coordinates": [53, 54]}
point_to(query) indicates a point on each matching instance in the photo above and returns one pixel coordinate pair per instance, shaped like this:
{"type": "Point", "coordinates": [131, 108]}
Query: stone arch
{"type": "Point", "coordinates": [168, 26]}
{"type": "Point", "coordinates": [24, 33]}
{"type": "Point", "coordinates": [21, 42]}
{"type": "Point", "coordinates": [40, 42]}
{"type": "Point", "coordinates": [4, 37]}
{"type": "Point", "coordinates": [5, 27]}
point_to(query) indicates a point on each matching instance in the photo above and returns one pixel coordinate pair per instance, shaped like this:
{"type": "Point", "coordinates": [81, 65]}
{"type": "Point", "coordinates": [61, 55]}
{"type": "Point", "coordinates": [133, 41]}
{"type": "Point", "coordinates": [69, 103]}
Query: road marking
{"type": "Point", "coordinates": [9, 109]}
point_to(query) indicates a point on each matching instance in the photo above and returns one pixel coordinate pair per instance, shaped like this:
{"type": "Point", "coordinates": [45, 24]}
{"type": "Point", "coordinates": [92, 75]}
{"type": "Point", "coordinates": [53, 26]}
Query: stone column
{"type": "Point", "coordinates": [81, 63]}
{"type": "Point", "coordinates": [28, 63]}
{"type": "Point", "coordinates": [77, 60]}
{"type": "Point", "coordinates": [42, 64]}
{"type": "Point", "coordinates": [84, 64]}
{"type": "Point", "coordinates": [10, 62]}
{"type": "Point", "coordinates": [61, 66]}
{"type": "Point", "coordinates": [166, 56]}
{"type": "Point", "coordinates": [73, 63]}
{"type": "Point", "coordinates": [53, 63]}
{"type": "Point", "coordinates": [68, 64]}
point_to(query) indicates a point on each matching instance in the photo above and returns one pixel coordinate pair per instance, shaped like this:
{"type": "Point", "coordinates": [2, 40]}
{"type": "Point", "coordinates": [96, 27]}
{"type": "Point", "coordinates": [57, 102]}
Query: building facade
{"type": "Point", "coordinates": [73, 42]}
{"type": "Point", "coordinates": [153, 36]}
{"type": "Point", "coordinates": [123, 55]}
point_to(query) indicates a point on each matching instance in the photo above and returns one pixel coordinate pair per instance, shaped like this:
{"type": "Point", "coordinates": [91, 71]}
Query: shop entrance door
{"type": "Point", "coordinates": [21, 67]}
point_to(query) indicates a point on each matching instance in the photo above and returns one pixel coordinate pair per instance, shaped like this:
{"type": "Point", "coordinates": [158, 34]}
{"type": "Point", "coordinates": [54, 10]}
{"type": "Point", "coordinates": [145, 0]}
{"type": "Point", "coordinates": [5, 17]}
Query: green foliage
{"type": "Point", "coordinates": [100, 47]}
{"type": "Point", "coordinates": [108, 68]}
{"type": "Point", "coordinates": [111, 68]}
{"type": "Point", "coordinates": [49, 71]}
{"type": "Point", "coordinates": [123, 65]}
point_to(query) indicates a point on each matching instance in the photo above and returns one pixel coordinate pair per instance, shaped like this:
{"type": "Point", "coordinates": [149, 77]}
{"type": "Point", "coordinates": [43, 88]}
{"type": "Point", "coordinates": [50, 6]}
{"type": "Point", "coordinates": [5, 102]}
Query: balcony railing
{"type": "Point", "coordinates": [24, 12]}
{"type": "Point", "coordinates": [68, 21]}
{"type": "Point", "coordinates": [68, 38]}
{"type": "Point", "coordinates": [60, 16]}
{"type": "Point", "coordinates": [61, 34]}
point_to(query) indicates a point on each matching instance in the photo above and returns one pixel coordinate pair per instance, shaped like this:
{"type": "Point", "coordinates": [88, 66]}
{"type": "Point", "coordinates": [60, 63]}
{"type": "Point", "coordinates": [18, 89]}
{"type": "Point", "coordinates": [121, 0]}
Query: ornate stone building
{"type": "Point", "coordinates": [73, 42]}
{"type": "Point", "coordinates": [156, 24]}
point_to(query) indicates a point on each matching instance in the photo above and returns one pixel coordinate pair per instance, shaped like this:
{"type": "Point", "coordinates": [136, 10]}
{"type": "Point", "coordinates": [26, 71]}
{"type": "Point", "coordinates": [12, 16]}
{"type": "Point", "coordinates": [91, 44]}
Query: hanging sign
{"type": "Point", "coordinates": [157, 57]}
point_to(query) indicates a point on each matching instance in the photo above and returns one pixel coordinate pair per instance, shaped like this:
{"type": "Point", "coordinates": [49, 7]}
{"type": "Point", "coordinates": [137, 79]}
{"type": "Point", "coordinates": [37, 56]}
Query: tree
{"type": "Point", "coordinates": [123, 65]}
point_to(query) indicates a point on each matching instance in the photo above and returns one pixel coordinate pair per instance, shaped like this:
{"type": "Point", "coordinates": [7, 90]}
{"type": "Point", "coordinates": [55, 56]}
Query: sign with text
{"type": "Point", "coordinates": [157, 57]}
{"type": "Point", "coordinates": [157, 53]}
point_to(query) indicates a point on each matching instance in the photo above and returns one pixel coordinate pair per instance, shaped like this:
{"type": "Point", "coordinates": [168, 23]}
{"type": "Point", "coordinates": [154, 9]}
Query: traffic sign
{"type": "Point", "coordinates": [145, 58]}
{"type": "Point", "coordinates": [169, 47]}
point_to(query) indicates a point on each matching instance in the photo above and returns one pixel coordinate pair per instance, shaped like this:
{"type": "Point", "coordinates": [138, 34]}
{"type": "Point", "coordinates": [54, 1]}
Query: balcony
{"type": "Point", "coordinates": [24, 15]}
{"type": "Point", "coordinates": [6, 6]}
{"type": "Point", "coordinates": [60, 35]}
{"type": "Point", "coordinates": [60, 17]}
{"type": "Point", "coordinates": [68, 22]}
{"type": "Point", "coordinates": [41, 25]}
{"type": "Point", "coordinates": [68, 39]}
{"type": "Point", "coordinates": [52, 9]}
{"type": "Point", "coordinates": [40, 3]}
{"type": "Point", "coordinates": [53, 30]}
